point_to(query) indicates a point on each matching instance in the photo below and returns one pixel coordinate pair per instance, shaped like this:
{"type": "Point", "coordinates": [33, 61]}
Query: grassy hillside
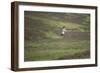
{"type": "Point", "coordinates": [44, 42]}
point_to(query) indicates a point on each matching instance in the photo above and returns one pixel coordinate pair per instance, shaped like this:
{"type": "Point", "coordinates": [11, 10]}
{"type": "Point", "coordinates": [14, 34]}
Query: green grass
{"type": "Point", "coordinates": [56, 23]}
{"type": "Point", "coordinates": [43, 40]}
{"type": "Point", "coordinates": [56, 49]}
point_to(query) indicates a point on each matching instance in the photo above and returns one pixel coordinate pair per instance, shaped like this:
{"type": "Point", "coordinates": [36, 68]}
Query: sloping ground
{"type": "Point", "coordinates": [43, 40]}
{"type": "Point", "coordinates": [74, 45]}
{"type": "Point", "coordinates": [57, 50]}
{"type": "Point", "coordinates": [38, 28]}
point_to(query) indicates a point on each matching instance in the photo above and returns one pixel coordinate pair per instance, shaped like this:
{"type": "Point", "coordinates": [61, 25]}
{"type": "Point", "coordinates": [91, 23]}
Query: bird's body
{"type": "Point", "coordinates": [63, 31]}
